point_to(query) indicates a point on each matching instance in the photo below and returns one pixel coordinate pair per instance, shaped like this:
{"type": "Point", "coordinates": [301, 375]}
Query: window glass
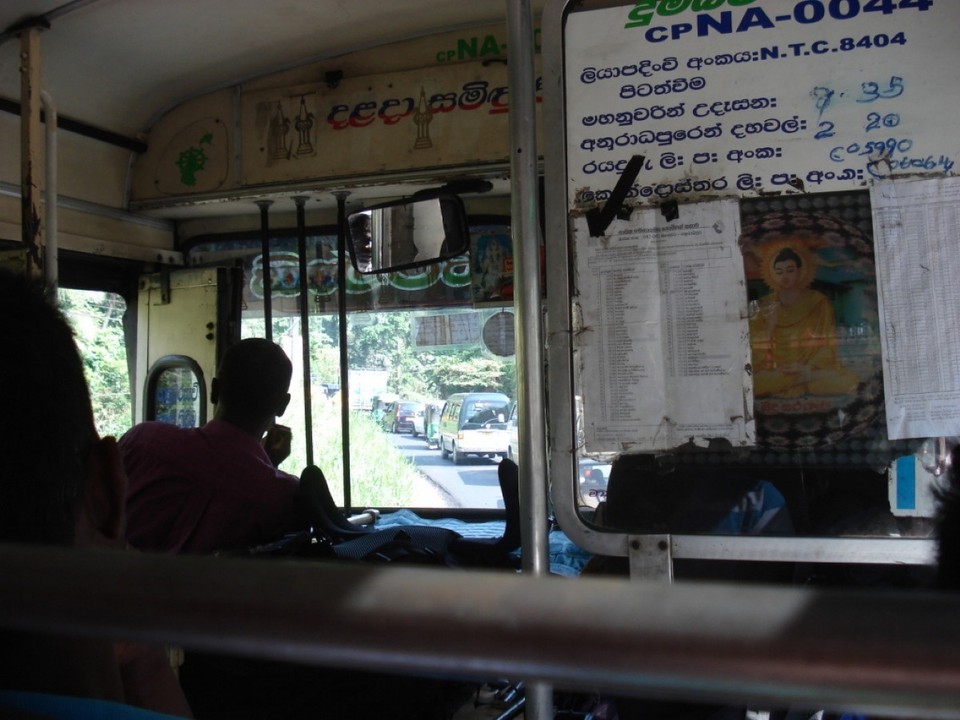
{"type": "Point", "coordinates": [486, 412]}
{"type": "Point", "coordinates": [176, 397]}
{"type": "Point", "coordinates": [822, 464]}
{"type": "Point", "coordinates": [412, 336]}
{"type": "Point", "coordinates": [97, 322]}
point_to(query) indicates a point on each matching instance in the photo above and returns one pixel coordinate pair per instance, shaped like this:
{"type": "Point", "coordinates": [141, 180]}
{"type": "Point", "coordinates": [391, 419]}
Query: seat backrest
{"type": "Point", "coordinates": [446, 546]}
{"type": "Point", "coordinates": [321, 510]}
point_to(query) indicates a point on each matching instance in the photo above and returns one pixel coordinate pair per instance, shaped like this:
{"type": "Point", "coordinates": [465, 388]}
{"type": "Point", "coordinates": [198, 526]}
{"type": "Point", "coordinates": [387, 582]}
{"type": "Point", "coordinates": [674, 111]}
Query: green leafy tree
{"type": "Point", "coordinates": [469, 371]}
{"type": "Point", "coordinates": [384, 341]}
{"type": "Point", "coordinates": [97, 322]}
{"type": "Point", "coordinates": [380, 341]}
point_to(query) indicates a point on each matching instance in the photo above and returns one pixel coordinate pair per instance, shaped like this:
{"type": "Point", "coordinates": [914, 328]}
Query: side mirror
{"type": "Point", "coordinates": [407, 234]}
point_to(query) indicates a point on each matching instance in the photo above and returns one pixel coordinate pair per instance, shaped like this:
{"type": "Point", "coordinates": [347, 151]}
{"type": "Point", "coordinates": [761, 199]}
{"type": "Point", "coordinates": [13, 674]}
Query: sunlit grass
{"type": "Point", "coordinates": [380, 476]}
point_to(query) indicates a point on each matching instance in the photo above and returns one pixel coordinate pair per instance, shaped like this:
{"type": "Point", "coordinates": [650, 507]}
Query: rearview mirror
{"type": "Point", "coordinates": [407, 234]}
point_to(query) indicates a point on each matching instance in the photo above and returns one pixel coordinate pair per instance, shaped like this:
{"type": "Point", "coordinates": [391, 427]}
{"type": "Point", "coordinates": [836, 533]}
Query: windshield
{"type": "Point", "coordinates": [417, 335]}
{"type": "Point", "coordinates": [486, 412]}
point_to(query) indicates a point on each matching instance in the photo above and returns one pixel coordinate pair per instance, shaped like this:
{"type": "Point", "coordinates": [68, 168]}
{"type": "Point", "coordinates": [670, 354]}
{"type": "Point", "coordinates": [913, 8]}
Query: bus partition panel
{"type": "Point", "coordinates": [733, 177]}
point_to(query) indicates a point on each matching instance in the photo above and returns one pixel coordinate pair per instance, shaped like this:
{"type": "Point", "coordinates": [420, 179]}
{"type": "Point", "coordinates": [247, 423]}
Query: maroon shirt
{"type": "Point", "coordinates": [200, 490]}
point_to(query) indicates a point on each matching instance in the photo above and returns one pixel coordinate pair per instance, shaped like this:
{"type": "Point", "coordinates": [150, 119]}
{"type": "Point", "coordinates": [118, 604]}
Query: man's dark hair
{"type": "Point", "coordinates": [253, 378]}
{"type": "Point", "coordinates": [46, 421]}
{"type": "Point", "coordinates": [360, 223]}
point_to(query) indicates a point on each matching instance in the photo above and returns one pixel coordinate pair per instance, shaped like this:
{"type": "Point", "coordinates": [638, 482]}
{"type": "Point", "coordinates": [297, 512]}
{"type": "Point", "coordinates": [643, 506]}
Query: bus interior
{"type": "Point", "coordinates": [703, 246]}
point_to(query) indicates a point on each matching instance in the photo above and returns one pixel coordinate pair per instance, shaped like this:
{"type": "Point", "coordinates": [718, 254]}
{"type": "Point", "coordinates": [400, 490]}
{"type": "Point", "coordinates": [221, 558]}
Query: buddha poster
{"type": "Point", "coordinates": [814, 324]}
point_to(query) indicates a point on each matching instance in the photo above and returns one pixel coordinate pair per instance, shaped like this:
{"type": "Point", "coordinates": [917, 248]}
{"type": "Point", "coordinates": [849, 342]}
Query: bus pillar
{"type": "Point", "coordinates": [30, 147]}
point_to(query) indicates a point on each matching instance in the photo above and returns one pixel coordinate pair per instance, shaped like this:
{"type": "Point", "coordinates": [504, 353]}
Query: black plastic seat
{"type": "Point", "coordinates": [360, 542]}
{"type": "Point", "coordinates": [321, 510]}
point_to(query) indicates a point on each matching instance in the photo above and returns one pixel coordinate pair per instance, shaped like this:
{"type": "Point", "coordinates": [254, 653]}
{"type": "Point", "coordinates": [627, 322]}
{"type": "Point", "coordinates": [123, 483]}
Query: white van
{"type": "Point", "coordinates": [474, 424]}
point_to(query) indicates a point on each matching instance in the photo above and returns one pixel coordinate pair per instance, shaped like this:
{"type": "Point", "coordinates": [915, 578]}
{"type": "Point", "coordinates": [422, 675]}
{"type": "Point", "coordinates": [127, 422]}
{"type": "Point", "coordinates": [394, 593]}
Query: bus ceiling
{"type": "Point", "coordinates": [203, 127]}
{"type": "Point", "coordinates": [185, 50]}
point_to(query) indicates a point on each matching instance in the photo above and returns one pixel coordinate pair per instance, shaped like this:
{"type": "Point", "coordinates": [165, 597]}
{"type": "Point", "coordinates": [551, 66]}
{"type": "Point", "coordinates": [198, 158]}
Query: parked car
{"type": "Point", "coordinates": [403, 416]}
{"type": "Point", "coordinates": [593, 478]}
{"type": "Point", "coordinates": [474, 424]}
{"type": "Point", "coordinates": [513, 434]}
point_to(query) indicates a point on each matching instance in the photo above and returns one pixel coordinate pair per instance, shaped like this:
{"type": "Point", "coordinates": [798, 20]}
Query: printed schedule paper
{"type": "Point", "coordinates": [663, 341]}
{"type": "Point", "coordinates": [916, 225]}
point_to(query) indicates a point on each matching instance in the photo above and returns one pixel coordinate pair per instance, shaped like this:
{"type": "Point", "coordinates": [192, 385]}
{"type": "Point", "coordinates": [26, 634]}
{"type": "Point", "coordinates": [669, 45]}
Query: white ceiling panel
{"type": "Point", "coordinates": [118, 64]}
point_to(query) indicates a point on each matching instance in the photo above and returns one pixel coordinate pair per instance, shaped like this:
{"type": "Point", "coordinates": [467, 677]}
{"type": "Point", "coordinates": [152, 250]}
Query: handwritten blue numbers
{"type": "Point", "coordinates": [876, 121]}
{"type": "Point", "coordinates": [873, 91]}
{"type": "Point", "coordinates": [883, 155]}
{"type": "Point", "coordinates": [870, 91]}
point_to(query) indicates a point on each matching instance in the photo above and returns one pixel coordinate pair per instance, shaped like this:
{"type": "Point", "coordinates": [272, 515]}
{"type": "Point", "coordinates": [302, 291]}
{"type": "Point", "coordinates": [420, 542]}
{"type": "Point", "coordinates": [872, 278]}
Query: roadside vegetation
{"type": "Point", "coordinates": [380, 476]}
{"type": "Point", "coordinates": [97, 322]}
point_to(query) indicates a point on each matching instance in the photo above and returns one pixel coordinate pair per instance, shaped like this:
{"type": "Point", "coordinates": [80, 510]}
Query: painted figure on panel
{"type": "Point", "coordinates": [814, 320]}
{"type": "Point", "coordinates": [794, 332]}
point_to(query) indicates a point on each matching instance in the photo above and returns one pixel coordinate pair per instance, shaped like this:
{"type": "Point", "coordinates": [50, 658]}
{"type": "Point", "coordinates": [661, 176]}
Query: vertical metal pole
{"type": "Point", "coordinates": [30, 227]}
{"type": "Point", "coordinates": [341, 196]}
{"type": "Point", "coordinates": [50, 210]}
{"type": "Point", "coordinates": [300, 201]}
{"type": "Point", "coordinates": [526, 255]}
{"type": "Point", "coordinates": [563, 440]}
{"type": "Point", "coordinates": [264, 206]}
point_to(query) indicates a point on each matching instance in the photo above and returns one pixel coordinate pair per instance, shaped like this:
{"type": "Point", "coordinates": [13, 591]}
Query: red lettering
{"type": "Point", "coordinates": [443, 102]}
{"type": "Point", "coordinates": [332, 117]}
{"type": "Point", "coordinates": [395, 117]}
{"type": "Point", "coordinates": [499, 101]}
{"type": "Point", "coordinates": [363, 114]}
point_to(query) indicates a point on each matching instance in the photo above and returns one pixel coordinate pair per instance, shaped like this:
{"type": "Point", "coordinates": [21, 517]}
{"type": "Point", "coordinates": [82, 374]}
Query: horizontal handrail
{"type": "Point", "coordinates": [825, 549]}
{"type": "Point", "coordinates": [862, 550]}
{"type": "Point", "coordinates": [885, 652]}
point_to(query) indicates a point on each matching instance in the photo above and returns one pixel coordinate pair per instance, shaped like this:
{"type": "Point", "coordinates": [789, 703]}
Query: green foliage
{"type": "Point", "coordinates": [468, 371]}
{"type": "Point", "coordinates": [384, 341]}
{"type": "Point", "coordinates": [97, 322]}
{"type": "Point", "coordinates": [380, 476]}
{"type": "Point", "coordinates": [379, 341]}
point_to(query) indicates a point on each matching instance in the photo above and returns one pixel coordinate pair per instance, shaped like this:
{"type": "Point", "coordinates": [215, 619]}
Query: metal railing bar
{"type": "Point", "coordinates": [881, 652]}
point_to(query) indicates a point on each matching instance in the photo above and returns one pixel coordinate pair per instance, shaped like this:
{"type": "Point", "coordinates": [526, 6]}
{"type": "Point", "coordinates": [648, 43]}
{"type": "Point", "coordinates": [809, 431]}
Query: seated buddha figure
{"type": "Point", "coordinates": [793, 333]}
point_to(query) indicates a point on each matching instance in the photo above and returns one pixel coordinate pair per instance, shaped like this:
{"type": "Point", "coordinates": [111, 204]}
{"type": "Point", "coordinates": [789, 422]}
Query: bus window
{"type": "Point", "coordinates": [414, 335]}
{"type": "Point", "coordinates": [176, 392]}
{"type": "Point", "coordinates": [822, 464]}
{"type": "Point", "coordinates": [97, 321]}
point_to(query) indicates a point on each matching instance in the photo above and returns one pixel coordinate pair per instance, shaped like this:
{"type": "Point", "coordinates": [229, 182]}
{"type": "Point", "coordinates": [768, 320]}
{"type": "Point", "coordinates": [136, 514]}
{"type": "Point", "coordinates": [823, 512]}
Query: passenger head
{"type": "Point", "coordinates": [360, 232]}
{"type": "Point", "coordinates": [251, 386]}
{"type": "Point", "coordinates": [53, 464]}
{"type": "Point", "coordinates": [360, 225]}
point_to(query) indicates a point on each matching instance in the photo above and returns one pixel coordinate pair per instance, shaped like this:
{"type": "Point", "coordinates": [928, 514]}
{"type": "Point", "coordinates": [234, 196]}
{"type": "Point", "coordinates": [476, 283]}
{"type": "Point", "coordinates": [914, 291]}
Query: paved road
{"type": "Point", "coordinates": [471, 485]}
